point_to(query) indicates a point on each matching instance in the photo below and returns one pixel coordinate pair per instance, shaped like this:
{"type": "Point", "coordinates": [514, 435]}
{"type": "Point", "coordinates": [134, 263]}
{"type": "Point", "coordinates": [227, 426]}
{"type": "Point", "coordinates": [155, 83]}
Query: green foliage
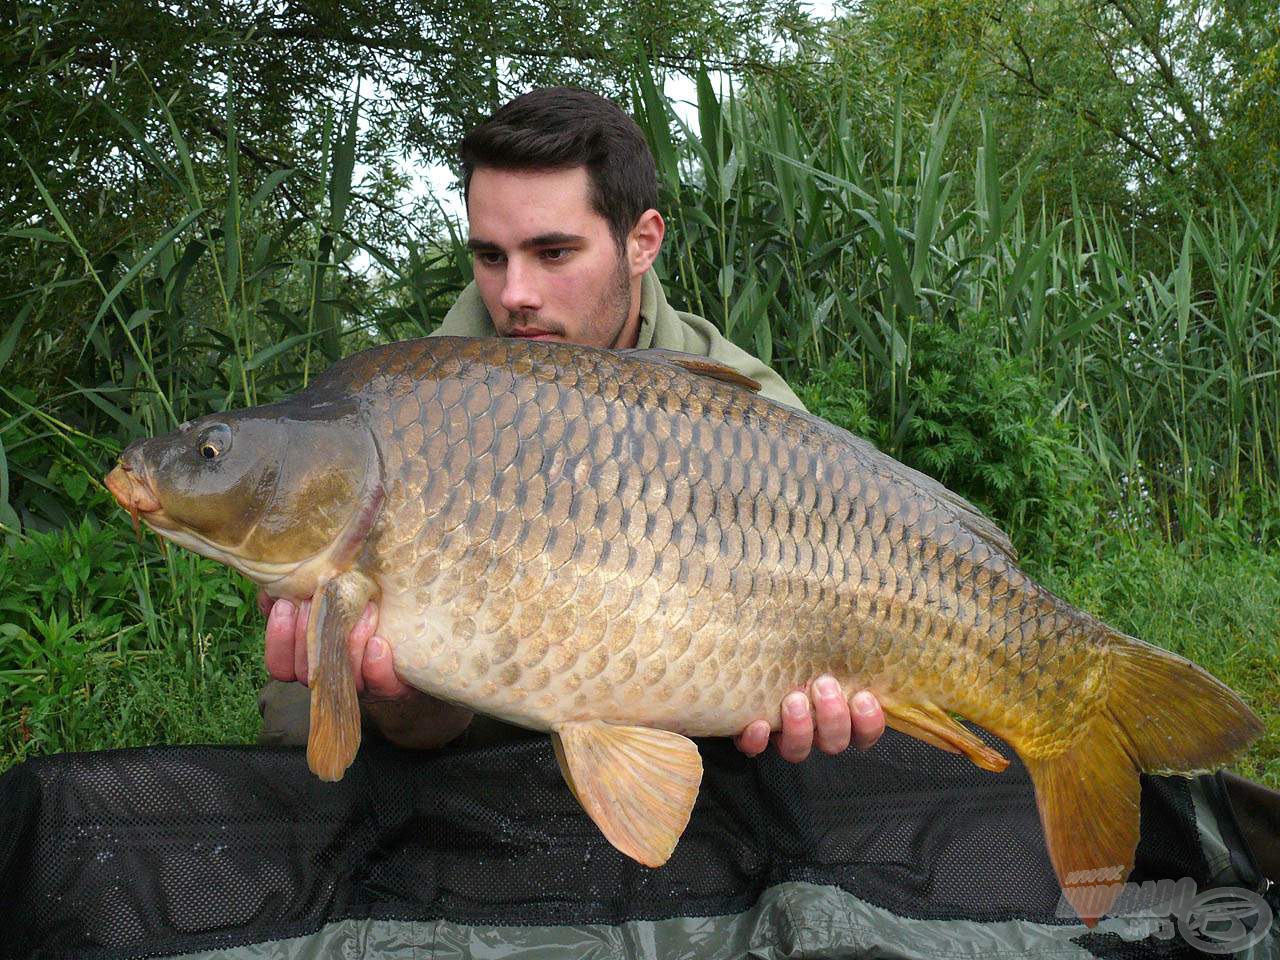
{"type": "Point", "coordinates": [226, 306]}
{"type": "Point", "coordinates": [106, 644]}
{"type": "Point", "coordinates": [976, 418]}
{"type": "Point", "coordinates": [807, 243]}
{"type": "Point", "coordinates": [1126, 102]}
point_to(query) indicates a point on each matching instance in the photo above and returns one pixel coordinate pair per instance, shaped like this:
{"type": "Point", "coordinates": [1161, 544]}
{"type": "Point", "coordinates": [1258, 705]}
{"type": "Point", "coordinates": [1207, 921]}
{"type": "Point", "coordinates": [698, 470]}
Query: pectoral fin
{"type": "Point", "coordinates": [335, 713]}
{"type": "Point", "coordinates": [637, 784]}
{"type": "Point", "coordinates": [930, 723]}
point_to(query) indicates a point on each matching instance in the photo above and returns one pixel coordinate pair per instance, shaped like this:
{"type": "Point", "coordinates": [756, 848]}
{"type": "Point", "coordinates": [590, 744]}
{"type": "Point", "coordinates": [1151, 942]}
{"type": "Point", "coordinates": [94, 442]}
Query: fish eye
{"type": "Point", "coordinates": [215, 442]}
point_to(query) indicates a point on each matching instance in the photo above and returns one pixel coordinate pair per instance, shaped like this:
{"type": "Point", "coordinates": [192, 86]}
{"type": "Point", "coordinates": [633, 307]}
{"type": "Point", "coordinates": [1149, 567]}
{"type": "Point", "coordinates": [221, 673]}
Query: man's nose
{"type": "Point", "coordinates": [520, 288]}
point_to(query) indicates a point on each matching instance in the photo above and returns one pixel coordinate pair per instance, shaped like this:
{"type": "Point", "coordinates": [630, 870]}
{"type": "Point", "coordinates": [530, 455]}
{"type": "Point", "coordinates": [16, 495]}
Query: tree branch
{"type": "Point", "coordinates": [1029, 78]}
{"type": "Point", "coordinates": [430, 48]}
{"type": "Point", "coordinates": [1194, 120]}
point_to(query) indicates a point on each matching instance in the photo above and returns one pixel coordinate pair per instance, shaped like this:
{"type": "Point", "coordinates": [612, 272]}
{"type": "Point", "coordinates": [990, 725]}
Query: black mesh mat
{"type": "Point", "coordinates": [168, 850]}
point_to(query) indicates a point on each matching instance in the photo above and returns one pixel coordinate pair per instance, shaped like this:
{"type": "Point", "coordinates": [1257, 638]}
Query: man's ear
{"type": "Point", "coordinates": [644, 241]}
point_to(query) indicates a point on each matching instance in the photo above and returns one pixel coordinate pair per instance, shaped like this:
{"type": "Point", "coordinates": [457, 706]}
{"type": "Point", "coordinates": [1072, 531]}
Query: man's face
{"type": "Point", "coordinates": [545, 262]}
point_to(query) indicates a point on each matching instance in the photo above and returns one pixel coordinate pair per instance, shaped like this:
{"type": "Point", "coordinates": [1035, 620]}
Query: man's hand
{"type": "Point", "coordinates": [405, 716]}
{"type": "Point", "coordinates": [824, 711]}
{"type": "Point", "coordinates": [286, 652]}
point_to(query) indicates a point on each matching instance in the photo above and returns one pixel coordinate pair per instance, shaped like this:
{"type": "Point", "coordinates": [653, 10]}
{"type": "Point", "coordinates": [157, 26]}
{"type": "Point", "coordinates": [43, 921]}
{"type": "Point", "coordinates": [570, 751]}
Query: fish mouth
{"type": "Point", "coordinates": [133, 492]}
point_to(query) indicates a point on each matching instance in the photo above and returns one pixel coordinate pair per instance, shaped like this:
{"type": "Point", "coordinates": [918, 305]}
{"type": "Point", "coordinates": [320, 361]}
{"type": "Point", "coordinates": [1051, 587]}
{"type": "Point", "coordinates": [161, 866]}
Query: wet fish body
{"type": "Point", "coordinates": [624, 548]}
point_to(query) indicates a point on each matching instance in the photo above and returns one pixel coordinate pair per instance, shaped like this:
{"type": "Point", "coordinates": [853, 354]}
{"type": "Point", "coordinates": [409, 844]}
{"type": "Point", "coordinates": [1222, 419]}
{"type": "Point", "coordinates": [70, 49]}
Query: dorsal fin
{"type": "Point", "coordinates": [703, 366]}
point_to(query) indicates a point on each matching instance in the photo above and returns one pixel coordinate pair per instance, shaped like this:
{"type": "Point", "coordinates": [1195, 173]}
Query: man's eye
{"type": "Point", "coordinates": [556, 253]}
{"type": "Point", "coordinates": [490, 258]}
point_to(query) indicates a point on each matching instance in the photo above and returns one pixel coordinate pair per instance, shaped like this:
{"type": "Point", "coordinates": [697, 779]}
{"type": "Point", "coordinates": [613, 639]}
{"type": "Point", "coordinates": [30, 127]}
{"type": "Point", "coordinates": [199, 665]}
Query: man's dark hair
{"type": "Point", "coordinates": [555, 128]}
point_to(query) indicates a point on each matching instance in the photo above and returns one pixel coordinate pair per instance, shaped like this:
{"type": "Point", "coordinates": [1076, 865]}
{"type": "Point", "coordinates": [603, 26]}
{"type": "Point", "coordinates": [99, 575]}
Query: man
{"type": "Point", "coordinates": [561, 191]}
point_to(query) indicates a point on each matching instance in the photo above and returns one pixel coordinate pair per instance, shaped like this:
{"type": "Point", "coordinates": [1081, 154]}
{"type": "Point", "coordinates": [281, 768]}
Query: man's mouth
{"type": "Point", "coordinates": [532, 333]}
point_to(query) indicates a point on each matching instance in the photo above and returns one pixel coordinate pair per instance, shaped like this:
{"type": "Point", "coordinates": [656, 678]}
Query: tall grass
{"type": "Point", "coordinates": [805, 244]}
{"type": "Point", "coordinates": [242, 297]}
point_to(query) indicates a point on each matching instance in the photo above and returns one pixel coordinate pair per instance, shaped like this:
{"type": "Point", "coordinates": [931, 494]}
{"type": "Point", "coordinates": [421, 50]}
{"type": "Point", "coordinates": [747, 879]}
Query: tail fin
{"type": "Point", "coordinates": [1163, 714]}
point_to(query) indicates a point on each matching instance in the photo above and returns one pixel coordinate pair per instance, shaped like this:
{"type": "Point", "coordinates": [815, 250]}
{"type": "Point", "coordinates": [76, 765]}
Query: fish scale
{"type": "Point", "coordinates": [622, 547]}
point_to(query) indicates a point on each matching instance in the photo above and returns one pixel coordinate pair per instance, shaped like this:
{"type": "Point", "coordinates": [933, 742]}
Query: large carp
{"type": "Point", "coordinates": [626, 548]}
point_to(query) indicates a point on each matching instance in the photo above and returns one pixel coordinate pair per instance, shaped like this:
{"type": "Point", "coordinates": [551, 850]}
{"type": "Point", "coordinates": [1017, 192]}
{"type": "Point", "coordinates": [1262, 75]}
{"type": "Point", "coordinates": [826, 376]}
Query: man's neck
{"type": "Point", "coordinates": [629, 336]}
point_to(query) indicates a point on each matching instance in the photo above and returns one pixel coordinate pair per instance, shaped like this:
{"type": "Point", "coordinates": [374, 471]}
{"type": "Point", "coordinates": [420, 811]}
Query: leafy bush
{"type": "Point", "coordinates": [105, 643]}
{"type": "Point", "coordinates": [977, 419]}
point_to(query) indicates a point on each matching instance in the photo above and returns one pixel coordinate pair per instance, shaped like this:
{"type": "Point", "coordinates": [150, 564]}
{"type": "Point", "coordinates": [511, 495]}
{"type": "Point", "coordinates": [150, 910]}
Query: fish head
{"type": "Point", "coordinates": [268, 490]}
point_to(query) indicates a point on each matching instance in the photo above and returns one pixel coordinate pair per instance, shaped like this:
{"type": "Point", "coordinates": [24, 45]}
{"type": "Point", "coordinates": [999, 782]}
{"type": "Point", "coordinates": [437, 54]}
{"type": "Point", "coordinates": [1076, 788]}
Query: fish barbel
{"type": "Point", "coordinates": [627, 548]}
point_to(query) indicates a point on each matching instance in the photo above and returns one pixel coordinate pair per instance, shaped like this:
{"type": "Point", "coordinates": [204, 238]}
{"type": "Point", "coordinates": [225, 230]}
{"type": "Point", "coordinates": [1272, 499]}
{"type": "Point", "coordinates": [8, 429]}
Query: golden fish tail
{"type": "Point", "coordinates": [1161, 714]}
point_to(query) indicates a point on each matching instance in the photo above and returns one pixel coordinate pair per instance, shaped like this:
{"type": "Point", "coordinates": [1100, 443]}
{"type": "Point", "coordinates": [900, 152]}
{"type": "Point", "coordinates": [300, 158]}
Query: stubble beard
{"type": "Point", "coordinates": [616, 304]}
{"type": "Point", "coordinates": [607, 320]}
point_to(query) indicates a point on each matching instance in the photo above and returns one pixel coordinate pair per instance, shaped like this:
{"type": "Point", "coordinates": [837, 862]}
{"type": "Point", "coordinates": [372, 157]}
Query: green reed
{"type": "Point", "coordinates": [806, 243]}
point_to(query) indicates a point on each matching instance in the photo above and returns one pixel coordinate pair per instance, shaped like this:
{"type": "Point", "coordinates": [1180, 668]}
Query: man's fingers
{"type": "Point", "coordinates": [358, 641]}
{"type": "Point", "coordinates": [378, 671]}
{"type": "Point", "coordinates": [753, 740]}
{"type": "Point", "coordinates": [365, 627]}
{"type": "Point", "coordinates": [265, 603]}
{"type": "Point", "coordinates": [832, 710]}
{"type": "Point", "coordinates": [868, 719]}
{"type": "Point", "coordinates": [796, 739]}
{"type": "Point", "coordinates": [300, 641]}
{"type": "Point", "coordinates": [279, 643]}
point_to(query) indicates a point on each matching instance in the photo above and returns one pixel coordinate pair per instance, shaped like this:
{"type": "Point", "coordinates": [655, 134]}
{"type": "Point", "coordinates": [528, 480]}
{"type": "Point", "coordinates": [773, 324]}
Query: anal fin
{"type": "Point", "coordinates": [636, 783]}
{"type": "Point", "coordinates": [930, 723]}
